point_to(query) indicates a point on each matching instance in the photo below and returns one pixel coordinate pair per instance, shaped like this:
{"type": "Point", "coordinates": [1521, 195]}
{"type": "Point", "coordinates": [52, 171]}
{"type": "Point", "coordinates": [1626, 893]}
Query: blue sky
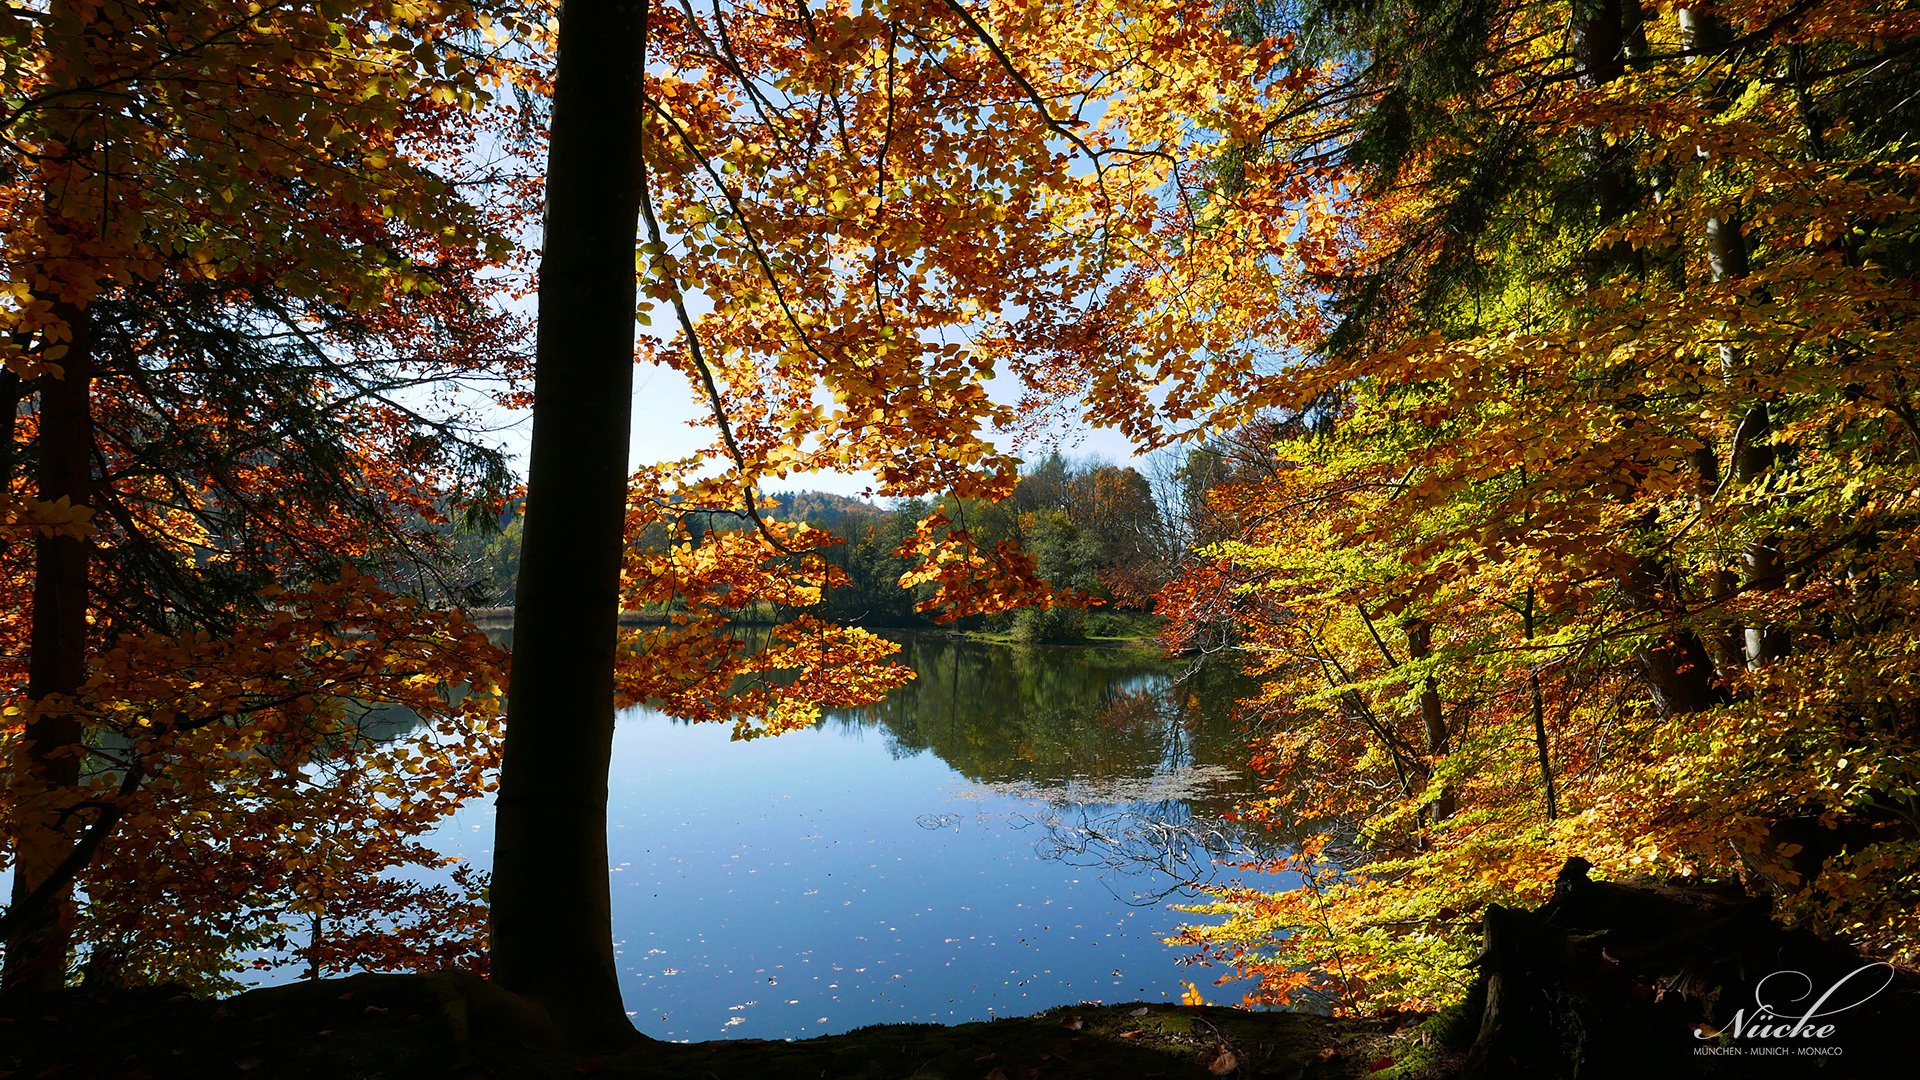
{"type": "Point", "coordinates": [664, 405]}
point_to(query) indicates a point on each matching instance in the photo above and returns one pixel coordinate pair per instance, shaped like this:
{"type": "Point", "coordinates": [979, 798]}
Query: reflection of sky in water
{"type": "Point", "coordinates": [830, 878]}
{"type": "Point", "coordinates": [998, 837]}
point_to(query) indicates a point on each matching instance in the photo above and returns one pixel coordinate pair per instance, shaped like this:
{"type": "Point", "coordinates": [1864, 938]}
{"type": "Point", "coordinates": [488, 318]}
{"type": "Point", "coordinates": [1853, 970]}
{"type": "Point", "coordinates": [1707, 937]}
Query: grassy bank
{"type": "Point", "coordinates": [1136, 631]}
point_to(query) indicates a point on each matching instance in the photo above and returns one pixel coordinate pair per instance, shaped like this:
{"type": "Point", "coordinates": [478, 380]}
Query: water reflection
{"type": "Point", "coordinates": [1002, 835]}
{"type": "Point", "coordinates": [1056, 714]}
{"type": "Point", "coordinates": [1136, 762]}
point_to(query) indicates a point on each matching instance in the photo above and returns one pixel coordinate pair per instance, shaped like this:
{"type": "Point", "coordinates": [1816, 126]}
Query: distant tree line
{"type": "Point", "coordinates": [1106, 531]}
{"type": "Point", "coordinates": [1092, 528]}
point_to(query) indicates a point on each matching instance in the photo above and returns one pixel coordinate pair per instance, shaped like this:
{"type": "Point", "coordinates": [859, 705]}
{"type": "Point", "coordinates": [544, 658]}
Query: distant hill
{"type": "Point", "coordinates": [824, 510]}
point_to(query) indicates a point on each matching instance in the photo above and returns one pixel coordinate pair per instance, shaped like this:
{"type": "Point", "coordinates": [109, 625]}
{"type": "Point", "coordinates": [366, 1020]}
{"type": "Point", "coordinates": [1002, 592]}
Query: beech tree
{"type": "Point", "coordinates": [235, 239]}
{"type": "Point", "coordinates": [882, 205]}
{"type": "Point", "coordinates": [550, 921]}
{"type": "Point", "coordinates": [206, 195]}
{"type": "Point", "coordinates": [1584, 534]}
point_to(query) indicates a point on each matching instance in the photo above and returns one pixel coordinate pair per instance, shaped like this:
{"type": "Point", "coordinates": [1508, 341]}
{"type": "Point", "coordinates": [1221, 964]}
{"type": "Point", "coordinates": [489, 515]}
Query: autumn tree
{"type": "Point", "coordinates": [237, 243]}
{"type": "Point", "coordinates": [882, 206]}
{"type": "Point", "coordinates": [550, 917]}
{"type": "Point", "coordinates": [1587, 542]}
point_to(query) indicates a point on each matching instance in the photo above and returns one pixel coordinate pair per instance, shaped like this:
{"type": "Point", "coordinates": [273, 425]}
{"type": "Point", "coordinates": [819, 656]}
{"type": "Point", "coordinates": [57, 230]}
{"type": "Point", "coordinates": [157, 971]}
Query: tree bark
{"type": "Point", "coordinates": [1537, 701]}
{"type": "Point", "coordinates": [1752, 452]}
{"type": "Point", "coordinates": [1432, 716]}
{"type": "Point", "coordinates": [552, 932]}
{"type": "Point", "coordinates": [47, 761]}
{"type": "Point", "coordinates": [1676, 665]}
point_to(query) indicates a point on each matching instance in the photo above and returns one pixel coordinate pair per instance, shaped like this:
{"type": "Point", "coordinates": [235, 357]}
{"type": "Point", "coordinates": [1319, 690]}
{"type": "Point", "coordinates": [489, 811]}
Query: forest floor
{"type": "Point", "coordinates": [457, 1028]}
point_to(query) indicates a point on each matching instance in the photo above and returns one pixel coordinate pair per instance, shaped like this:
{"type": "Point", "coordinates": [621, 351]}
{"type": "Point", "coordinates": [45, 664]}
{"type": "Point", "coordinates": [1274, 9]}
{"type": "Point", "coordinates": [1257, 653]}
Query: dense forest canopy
{"type": "Point", "coordinates": [1589, 525]}
{"type": "Point", "coordinates": [1543, 370]}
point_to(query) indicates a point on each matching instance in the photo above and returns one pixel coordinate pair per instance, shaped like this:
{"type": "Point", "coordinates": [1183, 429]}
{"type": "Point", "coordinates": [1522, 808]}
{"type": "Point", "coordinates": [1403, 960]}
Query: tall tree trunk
{"type": "Point", "coordinates": [1752, 452]}
{"type": "Point", "coordinates": [1675, 664]}
{"type": "Point", "coordinates": [47, 762]}
{"type": "Point", "coordinates": [1597, 39]}
{"type": "Point", "coordinates": [552, 930]}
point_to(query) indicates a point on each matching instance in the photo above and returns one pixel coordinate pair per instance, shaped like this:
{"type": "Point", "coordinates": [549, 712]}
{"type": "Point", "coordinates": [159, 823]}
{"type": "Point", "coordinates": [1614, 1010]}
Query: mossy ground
{"type": "Point", "coordinates": [368, 1027]}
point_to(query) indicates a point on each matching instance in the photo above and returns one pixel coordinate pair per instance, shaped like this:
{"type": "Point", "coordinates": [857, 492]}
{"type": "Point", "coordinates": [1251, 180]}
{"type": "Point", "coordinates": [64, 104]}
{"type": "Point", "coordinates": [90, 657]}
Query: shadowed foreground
{"type": "Point", "coordinates": [455, 1026]}
{"type": "Point", "coordinates": [1607, 979]}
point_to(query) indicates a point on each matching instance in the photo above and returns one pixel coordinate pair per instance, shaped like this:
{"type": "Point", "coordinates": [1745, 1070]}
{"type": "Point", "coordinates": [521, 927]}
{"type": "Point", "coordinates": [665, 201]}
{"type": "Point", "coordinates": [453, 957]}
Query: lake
{"type": "Point", "coordinates": [1004, 834]}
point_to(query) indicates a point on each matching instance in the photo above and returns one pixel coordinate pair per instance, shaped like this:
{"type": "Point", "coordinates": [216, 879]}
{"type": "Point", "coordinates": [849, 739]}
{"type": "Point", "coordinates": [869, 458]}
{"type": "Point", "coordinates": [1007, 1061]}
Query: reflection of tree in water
{"type": "Point", "coordinates": [1137, 767]}
{"type": "Point", "coordinates": [1145, 852]}
{"type": "Point", "coordinates": [998, 714]}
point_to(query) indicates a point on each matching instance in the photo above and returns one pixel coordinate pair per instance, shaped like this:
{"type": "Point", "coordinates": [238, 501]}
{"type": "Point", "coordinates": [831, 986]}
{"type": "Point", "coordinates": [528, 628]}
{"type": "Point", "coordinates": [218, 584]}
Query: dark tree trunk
{"type": "Point", "coordinates": [1537, 700]}
{"type": "Point", "coordinates": [40, 941]}
{"type": "Point", "coordinates": [1432, 716]}
{"type": "Point", "coordinates": [1752, 455]}
{"type": "Point", "coordinates": [552, 933]}
{"type": "Point", "coordinates": [1676, 664]}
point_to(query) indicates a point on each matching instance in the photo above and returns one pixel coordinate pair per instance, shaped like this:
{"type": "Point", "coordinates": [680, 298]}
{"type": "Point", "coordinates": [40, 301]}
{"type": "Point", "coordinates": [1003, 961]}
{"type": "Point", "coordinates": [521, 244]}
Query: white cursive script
{"type": "Point", "coordinates": [1787, 1020]}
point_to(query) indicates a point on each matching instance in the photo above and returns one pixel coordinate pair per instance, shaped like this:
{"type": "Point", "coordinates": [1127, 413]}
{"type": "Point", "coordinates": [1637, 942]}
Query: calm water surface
{"type": "Point", "coordinates": [1004, 834]}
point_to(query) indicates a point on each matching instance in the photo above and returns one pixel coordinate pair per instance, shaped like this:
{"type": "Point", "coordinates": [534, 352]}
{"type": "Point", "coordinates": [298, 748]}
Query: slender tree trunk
{"type": "Point", "coordinates": [1432, 716]}
{"type": "Point", "coordinates": [552, 932]}
{"type": "Point", "coordinates": [1539, 706]}
{"type": "Point", "coordinates": [1752, 452]}
{"type": "Point", "coordinates": [1597, 39]}
{"type": "Point", "coordinates": [47, 762]}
